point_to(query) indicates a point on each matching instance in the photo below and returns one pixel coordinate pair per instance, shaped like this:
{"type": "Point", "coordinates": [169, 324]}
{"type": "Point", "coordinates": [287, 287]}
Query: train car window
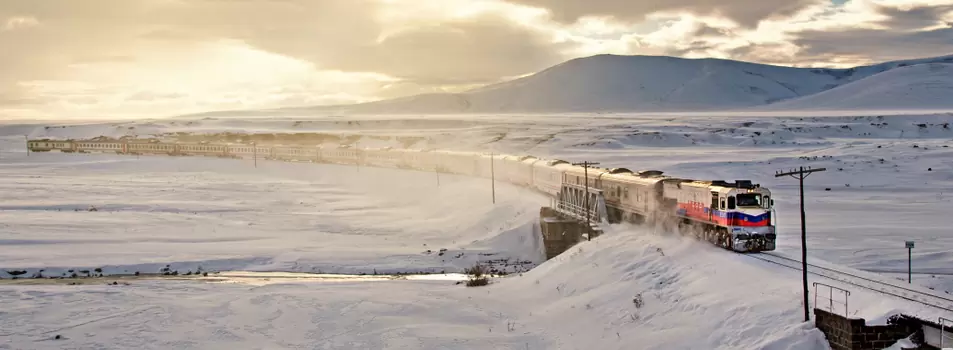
{"type": "Point", "coordinates": [767, 202]}
{"type": "Point", "coordinates": [731, 202]}
{"type": "Point", "coordinates": [722, 204]}
{"type": "Point", "coordinates": [625, 193]}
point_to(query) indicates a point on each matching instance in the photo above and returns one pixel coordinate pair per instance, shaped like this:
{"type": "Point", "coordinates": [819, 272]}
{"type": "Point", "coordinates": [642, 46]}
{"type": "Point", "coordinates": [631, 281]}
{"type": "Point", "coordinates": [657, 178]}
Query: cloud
{"type": "Point", "coordinates": [863, 44]}
{"type": "Point", "coordinates": [745, 12]}
{"type": "Point", "coordinates": [915, 18]}
{"type": "Point", "coordinates": [168, 56]}
{"type": "Point", "coordinates": [19, 22]}
{"type": "Point", "coordinates": [859, 32]}
{"type": "Point", "coordinates": [481, 50]}
{"type": "Point", "coordinates": [887, 31]}
{"type": "Point", "coordinates": [349, 35]}
{"type": "Point", "coordinates": [391, 48]}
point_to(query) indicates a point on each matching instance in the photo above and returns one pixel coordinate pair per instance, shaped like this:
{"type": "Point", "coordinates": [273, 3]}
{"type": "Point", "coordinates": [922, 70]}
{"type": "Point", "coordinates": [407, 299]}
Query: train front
{"type": "Point", "coordinates": [751, 221]}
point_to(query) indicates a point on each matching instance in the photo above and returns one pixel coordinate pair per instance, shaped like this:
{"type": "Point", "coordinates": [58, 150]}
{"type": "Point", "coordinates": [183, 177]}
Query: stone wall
{"type": "Point", "coordinates": [560, 234]}
{"type": "Point", "coordinates": [854, 334]}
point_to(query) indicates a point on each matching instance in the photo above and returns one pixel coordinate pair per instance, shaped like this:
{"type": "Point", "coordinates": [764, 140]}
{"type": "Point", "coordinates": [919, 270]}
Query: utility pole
{"type": "Point", "coordinates": [492, 178]}
{"type": "Point", "coordinates": [585, 167]}
{"type": "Point", "coordinates": [909, 245]}
{"type": "Point", "coordinates": [27, 138]}
{"type": "Point", "coordinates": [801, 174]}
{"type": "Point", "coordinates": [254, 146]}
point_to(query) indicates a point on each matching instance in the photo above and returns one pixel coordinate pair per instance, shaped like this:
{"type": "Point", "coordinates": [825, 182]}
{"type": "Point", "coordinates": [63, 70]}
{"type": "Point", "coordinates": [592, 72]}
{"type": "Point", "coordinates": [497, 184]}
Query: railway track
{"type": "Point", "coordinates": [906, 293]}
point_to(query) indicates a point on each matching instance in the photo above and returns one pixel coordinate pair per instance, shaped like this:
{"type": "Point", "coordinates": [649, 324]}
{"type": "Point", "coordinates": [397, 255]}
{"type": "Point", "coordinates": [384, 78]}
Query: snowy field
{"type": "Point", "coordinates": [890, 180]}
{"type": "Point", "coordinates": [222, 214]}
{"type": "Point", "coordinates": [692, 296]}
{"type": "Point", "coordinates": [890, 176]}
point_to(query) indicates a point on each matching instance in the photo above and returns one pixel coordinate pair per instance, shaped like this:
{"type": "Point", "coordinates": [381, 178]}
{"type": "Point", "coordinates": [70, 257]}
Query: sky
{"type": "Point", "coordinates": [63, 59]}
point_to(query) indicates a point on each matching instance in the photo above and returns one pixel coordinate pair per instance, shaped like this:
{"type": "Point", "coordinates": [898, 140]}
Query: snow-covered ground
{"type": "Point", "coordinates": [227, 214]}
{"type": "Point", "coordinates": [890, 177]}
{"type": "Point", "coordinates": [222, 214]}
{"type": "Point", "coordinates": [691, 296]}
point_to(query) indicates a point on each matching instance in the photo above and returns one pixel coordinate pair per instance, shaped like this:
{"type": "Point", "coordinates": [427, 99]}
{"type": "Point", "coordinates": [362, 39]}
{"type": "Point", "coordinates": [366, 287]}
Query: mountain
{"type": "Point", "coordinates": [613, 83]}
{"type": "Point", "coordinates": [915, 87]}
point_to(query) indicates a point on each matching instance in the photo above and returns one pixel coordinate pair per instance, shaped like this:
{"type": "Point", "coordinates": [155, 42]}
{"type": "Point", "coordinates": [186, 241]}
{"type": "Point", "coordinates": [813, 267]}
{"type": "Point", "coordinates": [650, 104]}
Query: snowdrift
{"type": "Point", "coordinates": [639, 288]}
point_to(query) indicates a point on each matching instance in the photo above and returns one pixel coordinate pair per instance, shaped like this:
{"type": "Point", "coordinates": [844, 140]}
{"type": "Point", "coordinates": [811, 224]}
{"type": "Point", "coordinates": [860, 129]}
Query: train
{"type": "Point", "coordinates": [737, 215]}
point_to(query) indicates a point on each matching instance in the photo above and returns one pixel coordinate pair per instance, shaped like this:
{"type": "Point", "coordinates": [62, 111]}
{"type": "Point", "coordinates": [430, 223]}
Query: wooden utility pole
{"type": "Point", "coordinates": [801, 174]}
{"type": "Point", "coordinates": [585, 165]}
{"type": "Point", "coordinates": [492, 178]}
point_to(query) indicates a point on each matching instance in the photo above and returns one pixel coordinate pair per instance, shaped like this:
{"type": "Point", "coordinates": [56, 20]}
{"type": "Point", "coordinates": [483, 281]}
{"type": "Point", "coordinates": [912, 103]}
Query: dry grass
{"type": "Point", "coordinates": [478, 276]}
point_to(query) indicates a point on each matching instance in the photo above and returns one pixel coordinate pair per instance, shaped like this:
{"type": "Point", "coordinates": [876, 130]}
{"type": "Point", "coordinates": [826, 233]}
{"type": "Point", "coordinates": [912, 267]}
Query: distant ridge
{"type": "Point", "coordinates": [614, 83]}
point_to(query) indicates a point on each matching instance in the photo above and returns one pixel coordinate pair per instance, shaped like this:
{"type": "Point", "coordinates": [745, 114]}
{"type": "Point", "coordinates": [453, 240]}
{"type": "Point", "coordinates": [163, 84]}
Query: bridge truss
{"type": "Point", "coordinates": [582, 203]}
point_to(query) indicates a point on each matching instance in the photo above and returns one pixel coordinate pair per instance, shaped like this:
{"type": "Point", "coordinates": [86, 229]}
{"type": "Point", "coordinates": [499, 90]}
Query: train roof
{"type": "Point", "coordinates": [747, 184]}
{"type": "Point", "coordinates": [49, 140]}
{"type": "Point", "coordinates": [650, 173]}
{"type": "Point", "coordinates": [620, 171]}
{"type": "Point", "coordinates": [719, 184]}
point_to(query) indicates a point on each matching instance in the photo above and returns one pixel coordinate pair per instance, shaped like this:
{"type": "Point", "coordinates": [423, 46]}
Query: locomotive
{"type": "Point", "coordinates": [737, 215]}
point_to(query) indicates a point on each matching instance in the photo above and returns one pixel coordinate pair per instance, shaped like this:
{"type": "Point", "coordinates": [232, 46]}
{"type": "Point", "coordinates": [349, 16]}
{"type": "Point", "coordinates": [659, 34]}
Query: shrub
{"type": "Point", "coordinates": [478, 282]}
{"type": "Point", "coordinates": [478, 276]}
{"type": "Point", "coordinates": [476, 271]}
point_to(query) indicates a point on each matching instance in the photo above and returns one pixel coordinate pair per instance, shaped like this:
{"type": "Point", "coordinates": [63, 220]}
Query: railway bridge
{"type": "Point", "coordinates": [577, 213]}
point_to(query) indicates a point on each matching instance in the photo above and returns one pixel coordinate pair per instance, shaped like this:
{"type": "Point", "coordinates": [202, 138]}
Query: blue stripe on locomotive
{"type": "Point", "coordinates": [730, 215]}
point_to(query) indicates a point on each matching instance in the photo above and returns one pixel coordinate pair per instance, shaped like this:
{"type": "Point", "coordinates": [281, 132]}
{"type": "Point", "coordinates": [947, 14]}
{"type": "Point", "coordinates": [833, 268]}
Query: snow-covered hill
{"type": "Point", "coordinates": [613, 83]}
{"type": "Point", "coordinates": [923, 86]}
